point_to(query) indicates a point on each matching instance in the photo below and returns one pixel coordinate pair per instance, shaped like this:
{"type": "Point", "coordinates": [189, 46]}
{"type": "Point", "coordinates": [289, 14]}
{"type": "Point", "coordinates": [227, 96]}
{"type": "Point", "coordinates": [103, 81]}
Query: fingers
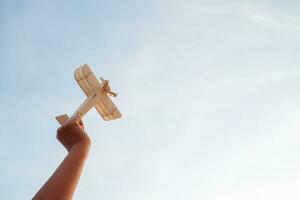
{"type": "Point", "coordinates": [74, 120]}
{"type": "Point", "coordinates": [77, 120]}
{"type": "Point", "coordinates": [81, 124]}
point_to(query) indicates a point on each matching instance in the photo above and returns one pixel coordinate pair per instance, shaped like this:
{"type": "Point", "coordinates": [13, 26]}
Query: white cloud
{"type": "Point", "coordinates": [268, 18]}
{"type": "Point", "coordinates": [273, 188]}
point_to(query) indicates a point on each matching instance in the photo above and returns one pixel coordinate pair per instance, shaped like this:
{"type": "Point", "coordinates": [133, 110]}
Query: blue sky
{"type": "Point", "coordinates": [207, 89]}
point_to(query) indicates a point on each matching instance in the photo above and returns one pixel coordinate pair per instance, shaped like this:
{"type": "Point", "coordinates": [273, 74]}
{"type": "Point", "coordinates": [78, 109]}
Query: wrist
{"type": "Point", "coordinates": [80, 149]}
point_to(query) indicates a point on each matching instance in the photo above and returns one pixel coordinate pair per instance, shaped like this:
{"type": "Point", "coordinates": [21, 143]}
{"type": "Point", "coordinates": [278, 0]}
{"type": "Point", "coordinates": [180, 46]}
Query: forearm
{"type": "Point", "coordinates": [62, 184]}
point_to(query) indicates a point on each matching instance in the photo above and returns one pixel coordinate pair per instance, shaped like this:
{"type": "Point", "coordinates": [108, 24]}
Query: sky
{"type": "Point", "coordinates": [207, 89]}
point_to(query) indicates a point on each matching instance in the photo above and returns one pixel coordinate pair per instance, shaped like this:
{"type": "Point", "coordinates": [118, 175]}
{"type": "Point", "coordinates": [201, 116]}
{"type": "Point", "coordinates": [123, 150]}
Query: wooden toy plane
{"type": "Point", "coordinates": [97, 96]}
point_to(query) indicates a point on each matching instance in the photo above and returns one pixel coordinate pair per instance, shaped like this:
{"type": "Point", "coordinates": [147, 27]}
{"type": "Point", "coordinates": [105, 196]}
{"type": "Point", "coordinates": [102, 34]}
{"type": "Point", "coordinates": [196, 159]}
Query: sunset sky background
{"type": "Point", "coordinates": [209, 92]}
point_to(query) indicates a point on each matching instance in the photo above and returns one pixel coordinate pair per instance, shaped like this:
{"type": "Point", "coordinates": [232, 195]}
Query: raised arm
{"type": "Point", "coordinates": [62, 184]}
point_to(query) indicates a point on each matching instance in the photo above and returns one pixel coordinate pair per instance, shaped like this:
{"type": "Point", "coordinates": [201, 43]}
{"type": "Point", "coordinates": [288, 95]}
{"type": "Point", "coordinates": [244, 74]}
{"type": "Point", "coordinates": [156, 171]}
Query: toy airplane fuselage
{"type": "Point", "coordinates": [97, 96]}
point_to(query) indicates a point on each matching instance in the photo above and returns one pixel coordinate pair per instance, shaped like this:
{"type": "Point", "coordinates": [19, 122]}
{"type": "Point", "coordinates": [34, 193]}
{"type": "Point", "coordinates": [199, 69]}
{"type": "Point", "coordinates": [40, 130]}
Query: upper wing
{"type": "Point", "coordinates": [81, 74]}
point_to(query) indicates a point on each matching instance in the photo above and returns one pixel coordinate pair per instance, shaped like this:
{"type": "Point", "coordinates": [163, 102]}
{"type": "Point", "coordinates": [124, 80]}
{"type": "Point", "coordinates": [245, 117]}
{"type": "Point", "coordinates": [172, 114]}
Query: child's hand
{"type": "Point", "coordinates": [71, 134]}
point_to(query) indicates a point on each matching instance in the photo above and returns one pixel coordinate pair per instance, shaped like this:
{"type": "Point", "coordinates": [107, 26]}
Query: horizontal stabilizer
{"type": "Point", "coordinates": [62, 118]}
